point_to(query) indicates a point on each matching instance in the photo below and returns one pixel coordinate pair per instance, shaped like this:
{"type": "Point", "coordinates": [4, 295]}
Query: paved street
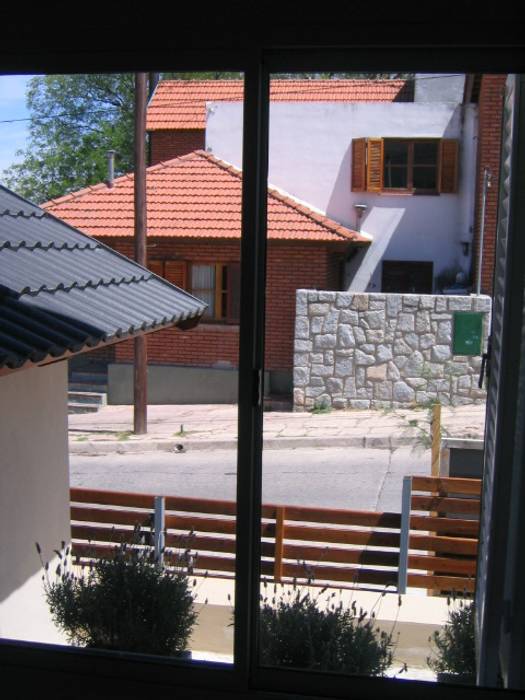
{"type": "Point", "coordinates": [367, 479]}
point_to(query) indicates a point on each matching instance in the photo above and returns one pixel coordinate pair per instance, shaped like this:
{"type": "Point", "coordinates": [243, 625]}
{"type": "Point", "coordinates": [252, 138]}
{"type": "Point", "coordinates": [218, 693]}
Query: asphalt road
{"type": "Point", "coordinates": [367, 479]}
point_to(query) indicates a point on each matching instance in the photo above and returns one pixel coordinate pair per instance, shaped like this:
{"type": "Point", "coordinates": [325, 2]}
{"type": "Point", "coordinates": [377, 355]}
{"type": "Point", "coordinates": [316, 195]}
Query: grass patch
{"type": "Point", "coordinates": [124, 435]}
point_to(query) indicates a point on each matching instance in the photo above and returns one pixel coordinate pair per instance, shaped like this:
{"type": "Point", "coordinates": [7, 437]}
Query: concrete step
{"type": "Point", "coordinates": [74, 407]}
{"type": "Point", "coordinates": [97, 398]}
{"type": "Point", "coordinates": [277, 403]}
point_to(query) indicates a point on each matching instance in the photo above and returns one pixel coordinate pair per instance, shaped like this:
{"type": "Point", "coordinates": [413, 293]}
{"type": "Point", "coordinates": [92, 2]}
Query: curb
{"type": "Point", "coordinates": [102, 447]}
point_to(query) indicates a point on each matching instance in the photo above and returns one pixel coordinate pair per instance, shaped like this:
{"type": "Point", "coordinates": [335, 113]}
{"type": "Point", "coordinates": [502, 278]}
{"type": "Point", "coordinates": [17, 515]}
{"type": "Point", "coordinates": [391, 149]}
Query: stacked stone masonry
{"type": "Point", "coordinates": [382, 350]}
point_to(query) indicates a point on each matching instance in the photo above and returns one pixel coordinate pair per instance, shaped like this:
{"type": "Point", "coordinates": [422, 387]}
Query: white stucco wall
{"type": "Point", "coordinates": [310, 157]}
{"type": "Point", "coordinates": [34, 494]}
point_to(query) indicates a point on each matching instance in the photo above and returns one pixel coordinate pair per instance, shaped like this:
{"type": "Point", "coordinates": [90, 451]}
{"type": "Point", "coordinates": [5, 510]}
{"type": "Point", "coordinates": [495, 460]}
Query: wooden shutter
{"type": "Point", "coordinates": [175, 272]}
{"type": "Point", "coordinates": [156, 266]}
{"type": "Point", "coordinates": [358, 165]}
{"type": "Point", "coordinates": [374, 166]}
{"type": "Point", "coordinates": [233, 297]}
{"type": "Point", "coordinates": [448, 171]}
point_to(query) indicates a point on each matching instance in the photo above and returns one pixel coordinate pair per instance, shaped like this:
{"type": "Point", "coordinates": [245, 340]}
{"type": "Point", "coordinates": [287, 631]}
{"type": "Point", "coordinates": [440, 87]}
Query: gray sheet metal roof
{"type": "Point", "coordinates": [62, 292]}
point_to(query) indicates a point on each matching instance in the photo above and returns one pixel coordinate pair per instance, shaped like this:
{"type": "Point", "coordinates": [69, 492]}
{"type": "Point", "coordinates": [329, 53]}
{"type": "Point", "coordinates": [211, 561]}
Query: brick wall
{"type": "Point", "coordinates": [290, 267]}
{"type": "Point", "coordinates": [165, 145]}
{"type": "Point", "coordinates": [489, 148]}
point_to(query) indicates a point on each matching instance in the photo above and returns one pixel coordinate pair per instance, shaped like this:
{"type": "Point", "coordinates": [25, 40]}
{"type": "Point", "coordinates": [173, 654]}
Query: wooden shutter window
{"type": "Point", "coordinates": [233, 295]}
{"type": "Point", "coordinates": [374, 166]}
{"type": "Point", "coordinates": [157, 267]}
{"type": "Point", "coordinates": [448, 173]}
{"type": "Point", "coordinates": [175, 272]}
{"type": "Point", "coordinates": [358, 165]}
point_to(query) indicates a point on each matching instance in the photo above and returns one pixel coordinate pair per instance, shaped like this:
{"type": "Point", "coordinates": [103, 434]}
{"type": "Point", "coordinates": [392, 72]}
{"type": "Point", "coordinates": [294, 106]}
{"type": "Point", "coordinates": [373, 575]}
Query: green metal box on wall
{"type": "Point", "coordinates": [467, 333]}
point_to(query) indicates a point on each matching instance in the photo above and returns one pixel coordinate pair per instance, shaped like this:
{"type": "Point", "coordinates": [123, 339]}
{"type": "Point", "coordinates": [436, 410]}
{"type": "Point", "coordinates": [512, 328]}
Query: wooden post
{"type": "Point", "coordinates": [140, 413]}
{"type": "Point", "coordinates": [435, 429]}
{"type": "Point", "coordinates": [280, 514]}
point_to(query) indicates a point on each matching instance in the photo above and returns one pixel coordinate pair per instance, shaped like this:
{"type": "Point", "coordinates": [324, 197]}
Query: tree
{"type": "Point", "coordinates": [75, 120]}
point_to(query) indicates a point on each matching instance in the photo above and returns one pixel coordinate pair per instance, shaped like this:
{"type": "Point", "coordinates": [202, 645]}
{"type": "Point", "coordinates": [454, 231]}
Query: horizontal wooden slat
{"type": "Point", "coordinates": [445, 504]}
{"type": "Point", "coordinates": [340, 556]}
{"type": "Point", "coordinates": [446, 485]}
{"type": "Point", "coordinates": [204, 543]}
{"type": "Point", "coordinates": [108, 515]}
{"type": "Point", "coordinates": [200, 505]}
{"type": "Point", "coordinates": [205, 562]}
{"type": "Point", "coordinates": [91, 533]}
{"type": "Point", "coordinates": [188, 523]}
{"type": "Point", "coordinates": [345, 574]}
{"type": "Point", "coordinates": [451, 526]}
{"type": "Point", "coordinates": [325, 534]}
{"type": "Point", "coordinates": [446, 565]}
{"type": "Point", "coordinates": [112, 498]}
{"type": "Point", "coordinates": [448, 545]}
{"type": "Point", "coordinates": [343, 517]}
{"type": "Point", "coordinates": [446, 583]}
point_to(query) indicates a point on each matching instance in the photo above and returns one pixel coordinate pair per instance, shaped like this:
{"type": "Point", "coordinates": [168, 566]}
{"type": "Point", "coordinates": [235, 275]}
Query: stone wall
{"type": "Point", "coordinates": [382, 350]}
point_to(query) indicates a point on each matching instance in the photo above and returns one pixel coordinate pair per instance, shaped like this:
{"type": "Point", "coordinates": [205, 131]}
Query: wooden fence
{"type": "Point", "coordinates": [321, 545]}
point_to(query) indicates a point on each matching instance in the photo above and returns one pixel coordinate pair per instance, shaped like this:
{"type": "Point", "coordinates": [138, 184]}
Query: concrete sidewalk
{"type": "Point", "coordinates": [207, 427]}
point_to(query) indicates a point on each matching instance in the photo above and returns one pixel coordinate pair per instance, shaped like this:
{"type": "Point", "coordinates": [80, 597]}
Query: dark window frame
{"type": "Point", "coordinates": [119, 673]}
{"type": "Point", "coordinates": [226, 295]}
{"type": "Point", "coordinates": [410, 189]}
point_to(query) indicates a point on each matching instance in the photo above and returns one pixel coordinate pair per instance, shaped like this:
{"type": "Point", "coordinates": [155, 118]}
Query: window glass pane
{"type": "Point", "coordinates": [395, 176]}
{"type": "Point", "coordinates": [170, 514]}
{"type": "Point", "coordinates": [396, 152]}
{"type": "Point", "coordinates": [425, 153]}
{"type": "Point", "coordinates": [424, 177]}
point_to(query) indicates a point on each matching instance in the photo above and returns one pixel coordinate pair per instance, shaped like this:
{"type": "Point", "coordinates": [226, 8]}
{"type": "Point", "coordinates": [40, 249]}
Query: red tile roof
{"type": "Point", "coordinates": [181, 104]}
{"type": "Point", "coordinates": [194, 196]}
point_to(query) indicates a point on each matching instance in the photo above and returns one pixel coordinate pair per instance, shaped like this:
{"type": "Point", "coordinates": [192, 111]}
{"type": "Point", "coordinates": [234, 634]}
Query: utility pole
{"type": "Point", "coordinates": [140, 393]}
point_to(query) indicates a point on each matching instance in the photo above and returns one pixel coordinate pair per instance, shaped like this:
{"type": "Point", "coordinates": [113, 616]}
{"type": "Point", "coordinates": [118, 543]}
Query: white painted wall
{"type": "Point", "coordinates": [34, 494]}
{"type": "Point", "coordinates": [310, 153]}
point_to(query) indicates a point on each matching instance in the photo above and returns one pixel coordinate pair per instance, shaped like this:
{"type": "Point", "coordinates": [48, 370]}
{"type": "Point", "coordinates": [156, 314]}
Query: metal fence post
{"type": "Point", "coordinates": [404, 535]}
{"type": "Point", "coordinates": [158, 528]}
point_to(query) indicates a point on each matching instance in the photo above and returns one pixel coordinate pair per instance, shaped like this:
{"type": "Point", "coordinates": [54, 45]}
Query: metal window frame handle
{"type": "Point", "coordinates": [485, 365]}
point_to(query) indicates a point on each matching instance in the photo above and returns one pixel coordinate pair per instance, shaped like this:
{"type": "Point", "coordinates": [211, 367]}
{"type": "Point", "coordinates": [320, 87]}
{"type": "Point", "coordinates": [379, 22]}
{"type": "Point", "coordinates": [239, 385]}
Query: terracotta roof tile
{"type": "Point", "coordinates": [181, 104]}
{"type": "Point", "coordinates": [194, 196]}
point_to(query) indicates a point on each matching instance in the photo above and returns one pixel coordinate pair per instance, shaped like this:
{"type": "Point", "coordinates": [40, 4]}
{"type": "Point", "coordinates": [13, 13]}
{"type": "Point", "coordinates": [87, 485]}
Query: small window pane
{"type": "Point", "coordinates": [395, 177]}
{"type": "Point", "coordinates": [425, 153]}
{"type": "Point", "coordinates": [425, 178]}
{"type": "Point", "coordinates": [396, 152]}
{"type": "Point", "coordinates": [203, 286]}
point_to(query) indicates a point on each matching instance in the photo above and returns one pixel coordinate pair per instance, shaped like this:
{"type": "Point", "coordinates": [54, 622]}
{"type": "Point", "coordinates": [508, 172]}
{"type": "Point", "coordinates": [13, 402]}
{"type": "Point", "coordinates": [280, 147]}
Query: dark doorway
{"type": "Point", "coordinates": [407, 277]}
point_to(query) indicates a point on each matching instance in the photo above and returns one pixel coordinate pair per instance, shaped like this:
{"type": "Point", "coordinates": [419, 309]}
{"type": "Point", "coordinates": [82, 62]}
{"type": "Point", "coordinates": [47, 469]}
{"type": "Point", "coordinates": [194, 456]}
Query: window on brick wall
{"type": "Point", "coordinates": [218, 284]}
{"type": "Point", "coordinates": [411, 166]}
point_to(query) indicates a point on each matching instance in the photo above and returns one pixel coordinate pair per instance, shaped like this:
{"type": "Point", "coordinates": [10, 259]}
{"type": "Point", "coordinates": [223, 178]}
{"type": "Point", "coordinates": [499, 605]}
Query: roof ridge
{"type": "Point", "coordinates": [80, 193]}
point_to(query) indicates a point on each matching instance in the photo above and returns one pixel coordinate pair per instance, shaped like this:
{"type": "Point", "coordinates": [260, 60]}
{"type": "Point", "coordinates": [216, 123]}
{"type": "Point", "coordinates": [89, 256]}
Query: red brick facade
{"type": "Point", "coordinates": [489, 148]}
{"type": "Point", "coordinates": [290, 267]}
{"type": "Point", "coordinates": [168, 144]}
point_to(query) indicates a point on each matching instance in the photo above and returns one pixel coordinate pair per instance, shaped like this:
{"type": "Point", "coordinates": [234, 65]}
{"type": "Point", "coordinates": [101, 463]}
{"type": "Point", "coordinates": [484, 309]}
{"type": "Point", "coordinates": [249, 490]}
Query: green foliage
{"type": "Point", "coordinates": [296, 631]}
{"type": "Point", "coordinates": [321, 406]}
{"type": "Point", "coordinates": [454, 645]}
{"type": "Point", "coordinates": [127, 602]}
{"type": "Point", "coordinates": [75, 120]}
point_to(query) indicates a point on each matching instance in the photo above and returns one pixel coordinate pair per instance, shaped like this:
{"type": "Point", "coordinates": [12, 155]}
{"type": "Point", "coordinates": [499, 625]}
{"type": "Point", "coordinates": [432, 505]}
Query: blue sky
{"type": "Point", "coordinates": [12, 106]}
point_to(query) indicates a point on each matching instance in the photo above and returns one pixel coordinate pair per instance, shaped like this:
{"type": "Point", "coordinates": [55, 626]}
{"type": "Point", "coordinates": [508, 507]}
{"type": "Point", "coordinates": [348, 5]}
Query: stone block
{"type": "Point", "coordinates": [321, 371]}
{"type": "Point", "coordinates": [394, 304]}
{"type": "Point", "coordinates": [400, 347]}
{"type": "Point", "coordinates": [331, 321]}
{"type": "Point", "coordinates": [412, 339]}
{"type": "Point", "coordinates": [351, 317]}
{"type": "Point", "coordinates": [481, 303]}
{"type": "Point", "coordinates": [416, 382]}
{"type": "Point", "coordinates": [464, 383]}
{"type": "Point", "coordinates": [325, 342]}
{"type": "Point", "coordinates": [328, 358]}
{"type": "Point", "coordinates": [345, 336]}
{"type": "Point", "coordinates": [414, 365]}
{"type": "Point", "coordinates": [318, 309]}
{"type": "Point", "coordinates": [383, 353]}
{"type": "Point", "coordinates": [316, 324]}
{"type": "Point", "coordinates": [377, 373]}
{"type": "Point", "coordinates": [441, 304]}
{"type": "Point", "coordinates": [426, 301]}
{"type": "Point", "coordinates": [360, 377]}
{"type": "Point", "coordinates": [369, 348]}
{"type": "Point", "coordinates": [444, 332]}
{"type": "Point", "coordinates": [312, 392]}
{"type": "Point", "coordinates": [302, 328]}
{"type": "Point", "coordinates": [403, 393]}
{"type": "Point", "coordinates": [344, 366]}
{"type": "Point", "coordinates": [361, 358]}
{"type": "Point", "coordinates": [427, 341]}
{"type": "Point", "coordinates": [317, 358]}
{"type": "Point", "coordinates": [441, 353]}
{"type": "Point", "coordinates": [410, 301]}
{"type": "Point", "coordinates": [359, 335]}
{"type": "Point", "coordinates": [316, 381]}
{"type": "Point", "coordinates": [350, 390]}
{"type": "Point", "coordinates": [433, 369]}
{"type": "Point", "coordinates": [383, 391]}
{"type": "Point", "coordinates": [326, 296]}
{"type": "Point", "coordinates": [334, 386]}
{"type": "Point", "coordinates": [440, 317]}
{"type": "Point", "coordinates": [300, 376]}
{"type": "Point", "coordinates": [298, 397]}
{"type": "Point", "coordinates": [301, 359]}
{"type": "Point", "coordinates": [377, 304]}
{"type": "Point", "coordinates": [392, 372]}
{"type": "Point", "coordinates": [375, 336]}
{"type": "Point", "coordinates": [343, 300]}
{"type": "Point", "coordinates": [359, 403]}
{"type": "Point", "coordinates": [301, 302]}
{"type": "Point", "coordinates": [405, 322]}
{"type": "Point", "coordinates": [400, 361]}
{"type": "Point", "coordinates": [444, 398]}
{"type": "Point", "coordinates": [439, 385]}
{"type": "Point", "coordinates": [374, 319]}
{"type": "Point", "coordinates": [422, 397]}
{"type": "Point", "coordinates": [303, 345]}
{"type": "Point", "coordinates": [360, 302]}
{"type": "Point", "coordinates": [422, 322]}
{"type": "Point", "coordinates": [459, 303]}
{"type": "Point", "coordinates": [339, 404]}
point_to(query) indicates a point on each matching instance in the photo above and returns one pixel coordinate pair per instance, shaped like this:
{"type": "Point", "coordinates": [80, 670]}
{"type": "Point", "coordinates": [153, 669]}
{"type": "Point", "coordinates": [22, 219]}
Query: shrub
{"type": "Point", "coordinates": [454, 644]}
{"type": "Point", "coordinates": [126, 602]}
{"type": "Point", "coordinates": [297, 632]}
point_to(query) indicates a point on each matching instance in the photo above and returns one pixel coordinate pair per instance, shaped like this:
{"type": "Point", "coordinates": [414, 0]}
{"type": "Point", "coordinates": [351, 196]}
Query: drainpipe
{"type": "Point", "coordinates": [487, 177]}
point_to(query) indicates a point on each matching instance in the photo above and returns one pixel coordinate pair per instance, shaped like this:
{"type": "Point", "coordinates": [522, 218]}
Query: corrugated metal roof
{"type": "Point", "coordinates": [62, 292]}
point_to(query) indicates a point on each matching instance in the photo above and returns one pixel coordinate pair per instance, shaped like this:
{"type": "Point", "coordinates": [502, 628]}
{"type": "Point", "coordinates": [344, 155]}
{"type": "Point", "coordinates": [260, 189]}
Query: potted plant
{"type": "Point", "coordinates": [454, 657]}
{"type": "Point", "coordinates": [127, 601]}
{"type": "Point", "coordinates": [300, 632]}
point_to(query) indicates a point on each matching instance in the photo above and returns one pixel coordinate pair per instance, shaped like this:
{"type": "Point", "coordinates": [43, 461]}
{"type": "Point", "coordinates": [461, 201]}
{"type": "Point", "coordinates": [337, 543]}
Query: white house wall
{"type": "Point", "coordinates": [310, 158]}
{"type": "Point", "coordinates": [34, 494]}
